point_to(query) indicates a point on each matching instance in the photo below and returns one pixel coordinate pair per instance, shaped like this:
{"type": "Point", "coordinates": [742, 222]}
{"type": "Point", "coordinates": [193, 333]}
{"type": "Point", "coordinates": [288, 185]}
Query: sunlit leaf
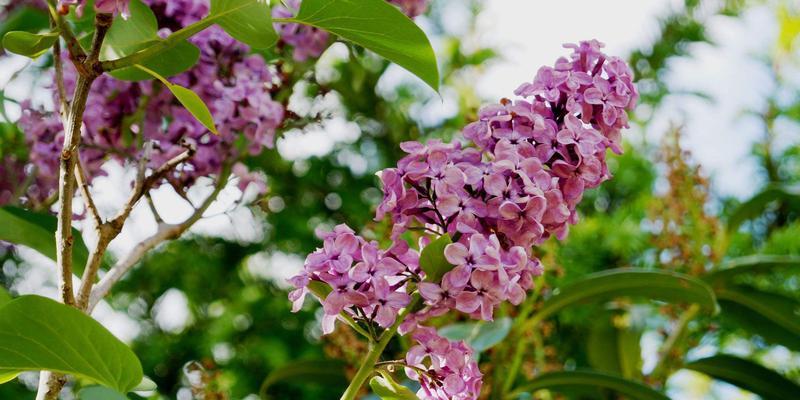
{"type": "Point", "coordinates": [37, 333]}
{"type": "Point", "coordinates": [29, 44]}
{"type": "Point", "coordinates": [386, 388]}
{"type": "Point", "coordinates": [377, 26]}
{"type": "Point", "coordinates": [189, 99]}
{"type": "Point", "coordinates": [248, 21]}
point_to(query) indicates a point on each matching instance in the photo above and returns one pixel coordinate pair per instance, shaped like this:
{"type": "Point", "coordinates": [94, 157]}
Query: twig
{"type": "Point", "coordinates": [83, 185]}
{"type": "Point", "coordinates": [54, 382]}
{"type": "Point", "coordinates": [76, 52]}
{"type": "Point", "coordinates": [165, 232]}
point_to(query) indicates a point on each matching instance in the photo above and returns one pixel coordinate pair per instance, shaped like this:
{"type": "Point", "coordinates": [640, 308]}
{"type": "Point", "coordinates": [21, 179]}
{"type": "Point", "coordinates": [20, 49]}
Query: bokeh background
{"type": "Point", "coordinates": [718, 123]}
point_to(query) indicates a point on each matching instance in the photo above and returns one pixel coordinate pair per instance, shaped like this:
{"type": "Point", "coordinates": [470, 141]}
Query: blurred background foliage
{"type": "Point", "coordinates": [658, 213]}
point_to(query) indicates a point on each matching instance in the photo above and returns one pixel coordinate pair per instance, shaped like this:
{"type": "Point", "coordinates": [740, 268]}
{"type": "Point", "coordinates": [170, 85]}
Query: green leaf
{"type": "Point", "coordinates": [591, 380]}
{"type": "Point", "coordinates": [248, 21]}
{"type": "Point", "coordinates": [25, 18]}
{"type": "Point", "coordinates": [324, 372]}
{"type": "Point", "coordinates": [758, 204]}
{"type": "Point", "coordinates": [37, 231]}
{"type": "Point", "coordinates": [4, 296]}
{"type": "Point", "coordinates": [189, 99]}
{"type": "Point", "coordinates": [747, 375]}
{"type": "Point", "coordinates": [625, 282]}
{"type": "Point", "coordinates": [751, 265]}
{"type": "Point", "coordinates": [377, 26]}
{"type": "Point", "coordinates": [480, 335]}
{"type": "Point", "coordinates": [613, 349]}
{"type": "Point", "coordinates": [8, 376]}
{"type": "Point", "coordinates": [37, 333]}
{"type": "Point", "coordinates": [146, 385]}
{"type": "Point", "coordinates": [29, 44]}
{"type": "Point", "coordinates": [100, 393]}
{"type": "Point", "coordinates": [772, 316]}
{"type": "Point", "coordinates": [387, 389]}
{"type": "Point", "coordinates": [139, 31]}
{"type": "Point", "coordinates": [432, 259]}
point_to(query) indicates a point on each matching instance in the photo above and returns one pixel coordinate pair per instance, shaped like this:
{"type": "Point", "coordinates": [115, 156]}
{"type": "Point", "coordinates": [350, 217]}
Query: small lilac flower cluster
{"type": "Point", "coordinates": [367, 283]}
{"type": "Point", "coordinates": [309, 42]}
{"type": "Point", "coordinates": [234, 84]}
{"type": "Point", "coordinates": [446, 370]}
{"type": "Point", "coordinates": [515, 184]}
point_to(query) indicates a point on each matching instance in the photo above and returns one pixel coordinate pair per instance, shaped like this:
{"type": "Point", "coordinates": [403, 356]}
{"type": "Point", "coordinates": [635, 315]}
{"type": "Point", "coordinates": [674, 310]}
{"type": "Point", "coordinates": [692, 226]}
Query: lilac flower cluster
{"type": "Point", "coordinates": [516, 183]}
{"type": "Point", "coordinates": [367, 283]}
{"type": "Point", "coordinates": [446, 370]}
{"type": "Point", "coordinates": [234, 84]}
{"type": "Point", "coordinates": [309, 42]}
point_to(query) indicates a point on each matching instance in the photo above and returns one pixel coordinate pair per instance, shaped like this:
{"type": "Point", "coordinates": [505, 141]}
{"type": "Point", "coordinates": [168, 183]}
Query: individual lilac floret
{"type": "Point", "coordinates": [445, 370]}
{"type": "Point", "coordinates": [367, 283]}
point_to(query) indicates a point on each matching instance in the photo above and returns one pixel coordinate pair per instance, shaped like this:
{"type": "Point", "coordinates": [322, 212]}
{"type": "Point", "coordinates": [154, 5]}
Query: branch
{"type": "Point", "coordinates": [106, 232]}
{"type": "Point", "coordinates": [165, 232]}
{"type": "Point", "coordinates": [76, 52]}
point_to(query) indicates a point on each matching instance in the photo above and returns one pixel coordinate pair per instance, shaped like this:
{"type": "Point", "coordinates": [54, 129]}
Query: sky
{"type": "Point", "coordinates": [718, 131]}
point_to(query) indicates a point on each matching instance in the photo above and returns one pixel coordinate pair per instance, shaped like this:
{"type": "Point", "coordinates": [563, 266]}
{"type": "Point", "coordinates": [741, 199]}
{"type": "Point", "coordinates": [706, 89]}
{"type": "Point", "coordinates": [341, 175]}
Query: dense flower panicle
{"type": "Point", "coordinates": [445, 370]}
{"type": "Point", "coordinates": [516, 183]}
{"type": "Point", "coordinates": [367, 283]}
{"type": "Point", "coordinates": [233, 83]}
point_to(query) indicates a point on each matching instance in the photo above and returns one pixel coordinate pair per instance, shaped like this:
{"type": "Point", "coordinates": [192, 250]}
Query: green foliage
{"type": "Point", "coordinates": [432, 260]}
{"type": "Point", "coordinates": [615, 349]}
{"type": "Point", "coordinates": [773, 195]}
{"type": "Point", "coordinates": [481, 335]}
{"type": "Point", "coordinates": [248, 21]}
{"type": "Point", "coordinates": [387, 389]}
{"type": "Point", "coordinates": [32, 326]}
{"type": "Point", "coordinates": [37, 231]}
{"type": "Point", "coordinates": [330, 373]}
{"type": "Point", "coordinates": [626, 282]}
{"type": "Point", "coordinates": [747, 375]}
{"type": "Point", "coordinates": [29, 44]}
{"type": "Point", "coordinates": [591, 380]}
{"type": "Point", "coordinates": [99, 393]}
{"type": "Point", "coordinates": [137, 32]}
{"type": "Point", "coordinates": [774, 317]}
{"type": "Point", "coordinates": [189, 99]}
{"type": "Point", "coordinates": [377, 26]}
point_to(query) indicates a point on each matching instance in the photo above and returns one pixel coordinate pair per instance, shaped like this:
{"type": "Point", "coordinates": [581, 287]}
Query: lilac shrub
{"type": "Point", "coordinates": [235, 84]}
{"type": "Point", "coordinates": [514, 182]}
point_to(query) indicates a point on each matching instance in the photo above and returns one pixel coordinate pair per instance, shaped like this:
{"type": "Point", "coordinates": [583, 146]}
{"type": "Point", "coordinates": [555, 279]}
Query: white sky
{"type": "Point", "coordinates": [530, 33]}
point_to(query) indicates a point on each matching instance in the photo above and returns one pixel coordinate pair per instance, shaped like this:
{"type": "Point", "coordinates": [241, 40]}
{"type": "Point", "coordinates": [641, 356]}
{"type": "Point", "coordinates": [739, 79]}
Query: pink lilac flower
{"type": "Point", "coordinates": [367, 283]}
{"type": "Point", "coordinates": [516, 183]}
{"type": "Point", "coordinates": [445, 370]}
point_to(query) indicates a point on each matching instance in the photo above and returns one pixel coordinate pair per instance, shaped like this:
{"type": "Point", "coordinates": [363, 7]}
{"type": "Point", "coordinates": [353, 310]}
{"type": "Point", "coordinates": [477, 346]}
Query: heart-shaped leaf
{"type": "Point", "coordinates": [37, 334]}
{"type": "Point", "coordinates": [378, 26]}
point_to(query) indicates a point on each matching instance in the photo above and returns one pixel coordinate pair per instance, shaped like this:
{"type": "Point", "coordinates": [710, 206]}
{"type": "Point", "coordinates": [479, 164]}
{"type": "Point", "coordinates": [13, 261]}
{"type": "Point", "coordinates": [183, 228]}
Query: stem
{"type": "Point", "coordinates": [673, 340]}
{"type": "Point", "coordinates": [375, 351]}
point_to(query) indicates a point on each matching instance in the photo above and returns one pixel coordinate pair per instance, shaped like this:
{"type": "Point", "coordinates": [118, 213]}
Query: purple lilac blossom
{"type": "Point", "coordinates": [233, 83]}
{"type": "Point", "coordinates": [516, 182]}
